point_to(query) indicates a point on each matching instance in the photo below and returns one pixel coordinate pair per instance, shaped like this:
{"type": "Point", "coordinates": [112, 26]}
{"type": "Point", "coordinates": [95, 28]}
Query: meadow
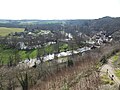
{"type": "Point", "coordinates": [5, 31]}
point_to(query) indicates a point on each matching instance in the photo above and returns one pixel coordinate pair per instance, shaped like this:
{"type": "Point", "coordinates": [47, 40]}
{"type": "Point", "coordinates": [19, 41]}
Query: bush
{"type": "Point", "coordinates": [103, 60]}
{"type": "Point", "coordinates": [111, 83]}
{"type": "Point", "coordinates": [70, 63]}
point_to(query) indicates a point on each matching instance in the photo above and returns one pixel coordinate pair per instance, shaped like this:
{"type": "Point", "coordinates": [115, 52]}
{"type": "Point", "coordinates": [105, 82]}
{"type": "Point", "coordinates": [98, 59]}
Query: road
{"type": "Point", "coordinates": [109, 67]}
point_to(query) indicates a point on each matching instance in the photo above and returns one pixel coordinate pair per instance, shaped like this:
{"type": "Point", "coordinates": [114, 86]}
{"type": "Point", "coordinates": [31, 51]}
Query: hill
{"type": "Point", "coordinates": [89, 27]}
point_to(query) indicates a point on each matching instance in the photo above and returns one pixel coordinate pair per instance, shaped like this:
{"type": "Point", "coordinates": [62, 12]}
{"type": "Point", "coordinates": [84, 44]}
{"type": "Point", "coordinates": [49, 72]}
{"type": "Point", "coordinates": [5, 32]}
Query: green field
{"type": "Point", "coordinates": [5, 31]}
{"type": "Point", "coordinates": [6, 53]}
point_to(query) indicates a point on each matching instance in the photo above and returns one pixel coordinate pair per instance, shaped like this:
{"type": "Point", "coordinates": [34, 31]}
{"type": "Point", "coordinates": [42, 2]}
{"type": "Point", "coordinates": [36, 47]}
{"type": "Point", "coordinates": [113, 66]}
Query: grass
{"type": "Point", "coordinates": [115, 58]}
{"type": "Point", "coordinates": [5, 53]}
{"type": "Point", "coordinates": [117, 73]}
{"type": "Point", "coordinates": [63, 47]}
{"type": "Point", "coordinates": [5, 31]}
{"type": "Point", "coordinates": [106, 80]}
{"type": "Point", "coordinates": [49, 49]}
{"type": "Point", "coordinates": [23, 54]}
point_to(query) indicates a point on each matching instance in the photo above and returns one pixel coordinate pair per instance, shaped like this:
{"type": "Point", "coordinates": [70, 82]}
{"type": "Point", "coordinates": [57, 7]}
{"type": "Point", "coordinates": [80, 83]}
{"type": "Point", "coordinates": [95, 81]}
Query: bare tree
{"type": "Point", "coordinates": [23, 80]}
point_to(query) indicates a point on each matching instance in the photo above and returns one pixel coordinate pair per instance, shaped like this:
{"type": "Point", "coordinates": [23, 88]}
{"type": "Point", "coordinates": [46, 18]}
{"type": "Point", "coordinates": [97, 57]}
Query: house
{"type": "Point", "coordinates": [91, 42]}
{"type": "Point", "coordinates": [21, 45]}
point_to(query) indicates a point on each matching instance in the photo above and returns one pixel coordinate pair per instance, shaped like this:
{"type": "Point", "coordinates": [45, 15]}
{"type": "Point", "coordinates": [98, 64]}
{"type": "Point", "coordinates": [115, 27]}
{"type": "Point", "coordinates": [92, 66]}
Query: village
{"type": "Point", "coordinates": [94, 42]}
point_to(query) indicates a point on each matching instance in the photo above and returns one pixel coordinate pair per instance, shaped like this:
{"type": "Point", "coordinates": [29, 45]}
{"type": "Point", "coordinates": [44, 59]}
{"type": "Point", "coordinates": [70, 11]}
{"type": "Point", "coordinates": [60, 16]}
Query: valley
{"type": "Point", "coordinates": [60, 54]}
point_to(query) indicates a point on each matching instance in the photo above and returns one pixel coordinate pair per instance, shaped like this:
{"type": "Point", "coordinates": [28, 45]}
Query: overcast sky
{"type": "Point", "coordinates": [58, 9]}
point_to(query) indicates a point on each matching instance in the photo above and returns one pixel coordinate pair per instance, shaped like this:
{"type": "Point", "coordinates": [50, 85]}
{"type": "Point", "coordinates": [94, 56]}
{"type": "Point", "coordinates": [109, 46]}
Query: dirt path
{"type": "Point", "coordinates": [109, 67]}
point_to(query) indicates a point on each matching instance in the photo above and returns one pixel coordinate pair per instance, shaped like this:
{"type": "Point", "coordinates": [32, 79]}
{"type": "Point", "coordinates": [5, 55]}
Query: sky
{"type": "Point", "coordinates": [58, 9]}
